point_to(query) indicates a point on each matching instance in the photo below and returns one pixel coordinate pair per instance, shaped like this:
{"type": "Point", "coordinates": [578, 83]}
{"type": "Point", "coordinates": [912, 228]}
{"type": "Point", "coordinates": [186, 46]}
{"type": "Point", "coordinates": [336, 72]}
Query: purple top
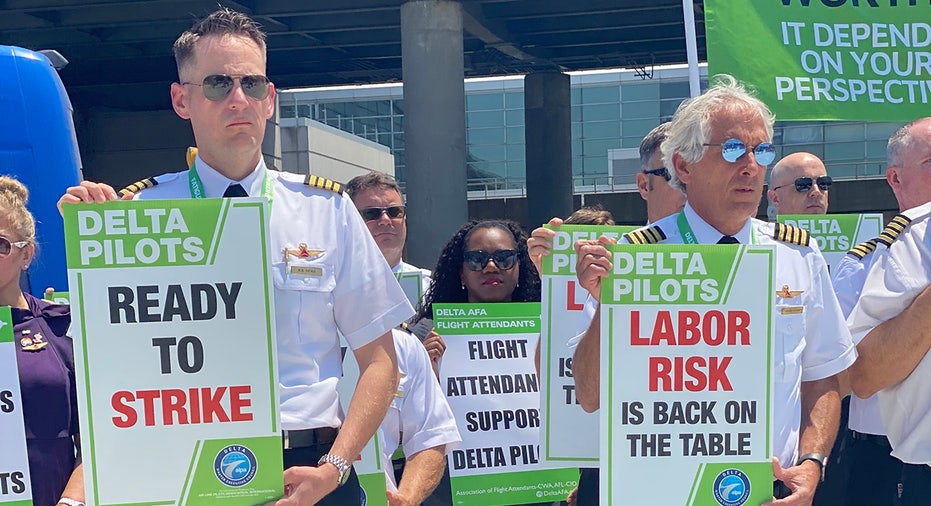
{"type": "Point", "coordinates": [50, 412]}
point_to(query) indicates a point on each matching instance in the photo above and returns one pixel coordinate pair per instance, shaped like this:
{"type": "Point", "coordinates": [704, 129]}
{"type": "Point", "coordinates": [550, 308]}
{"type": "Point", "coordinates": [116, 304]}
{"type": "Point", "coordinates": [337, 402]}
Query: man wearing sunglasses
{"type": "Point", "coordinates": [718, 145]}
{"type": "Point", "coordinates": [889, 322]}
{"type": "Point", "coordinates": [799, 184]}
{"type": "Point", "coordinates": [653, 178]}
{"type": "Point", "coordinates": [222, 90]}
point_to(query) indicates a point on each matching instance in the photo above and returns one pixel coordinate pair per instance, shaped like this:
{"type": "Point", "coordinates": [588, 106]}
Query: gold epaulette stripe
{"type": "Point", "coordinates": [651, 235]}
{"type": "Point", "coordinates": [138, 186]}
{"type": "Point", "coordinates": [791, 235]}
{"type": "Point", "coordinates": [860, 251]}
{"type": "Point", "coordinates": [893, 229]}
{"type": "Point", "coordinates": [323, 183]}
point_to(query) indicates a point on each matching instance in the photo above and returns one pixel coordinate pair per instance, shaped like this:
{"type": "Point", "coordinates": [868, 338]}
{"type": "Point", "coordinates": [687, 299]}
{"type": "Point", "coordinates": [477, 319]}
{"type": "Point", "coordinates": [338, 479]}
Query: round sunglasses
{"type": "Point", "coordinates": [733, 149]}
{"type": "Point", "coordinates": [6, 245]}
{"type": "Point", "coordinates": [477, 260]}
{"type": "Point", "coordinates": [217, 86]}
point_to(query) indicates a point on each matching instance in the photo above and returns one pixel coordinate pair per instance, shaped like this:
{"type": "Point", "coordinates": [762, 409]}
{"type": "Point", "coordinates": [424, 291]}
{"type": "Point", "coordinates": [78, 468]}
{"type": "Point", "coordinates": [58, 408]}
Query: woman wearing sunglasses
{"type": "Point", "coordinates": [45, 361]}
{"type": "Point", "coordinates": [484, 261]}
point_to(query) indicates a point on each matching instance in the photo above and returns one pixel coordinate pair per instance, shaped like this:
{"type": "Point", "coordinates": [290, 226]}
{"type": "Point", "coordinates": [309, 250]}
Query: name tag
{"type": "Point", "coordinates": [791, 310]}
{"type": "Point", "coordinates": [298, 270]}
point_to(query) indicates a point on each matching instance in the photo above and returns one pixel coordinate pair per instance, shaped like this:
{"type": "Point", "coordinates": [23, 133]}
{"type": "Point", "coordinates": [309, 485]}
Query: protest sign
{"type": "Point", "coordinates": [826, 59]}
{"type": "Point", "coordinates": [412, 283]}
{"type": "Point", "coordinates": [175, 351]}
{"type": "Point", "coordinates": [488, 374]}
{"type": "Point", "coordinates": [569, 434]}
{"type": "Point", "coordinates": [14, 462]}
{"type": "Point", "coordinates": [837, 233]}
{"type": "Point", "coordinates": [685, 367]}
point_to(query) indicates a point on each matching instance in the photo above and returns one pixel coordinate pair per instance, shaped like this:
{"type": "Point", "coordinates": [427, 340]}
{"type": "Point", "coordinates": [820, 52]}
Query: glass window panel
{"type": "Point", "coordinates": [484, 101]}
{"type": "Point", "coordinates": [514, 100]}
{"type": "Point", "coordinates": [487, 153]}
{"type": "Point", "coordinates": [478, 136]}
{"type": "Point", "coordinates": [843, 151]}
{"type": "Point", "coordinates": [639, 127]}
{"type": "Point", "coordinates": [639, 110]}
{"type": "Point", "coordinates": [601, 130]}
{"type": "Point", "coordinates": [398, 123]}
{"type": "Point", "coordinates": [517, 169]}
{"type": "Point", "coordinates": [514, 135]}
{"type": "Point", "coordinates": [336, 109]}
{"type": "Point", "coordinates": [383, 124]}
{"type": "Point", "coordinates": [384, 139]}
{"type": "Point", "coordinates": [801, 134]}
{"type": "Point", "coordinates": [674, 90]}
{"type": "Point", "coordinates": [516, 152]}
{"type": "Point", "coordinates": [601, 94]}
{"type": "Point", "coordinates": [843, 132]}
{"type": "Point", "coordinates": [631, 142]}
{"type": "Point", "coordinates": [514, 117]}
{"type": "Point", "coordinates": [637, 92]}
{"type": "Point", "coordinates": [484, 119]}
{"type": "Point", "coordinates": [398, 141]}
{"type": "Point", "coordinates": [881, 130]}
{"type": "Point", "coordinates": [600, 112]}
{"type": "Point", "coordinates": [303, 111]}
{"type": "Point", "coordinates": [876, 150]}
{"type": "Point", "coordinates": [576, 166]}
{"type": "Point", "coordinates": [668, 107]}
{"type": "Point", "coordinates": [575, 113]}
{"type": "Point", "coordinates": [288, 111]}
{"type": "Point", "coordinates": [398, 106]}
{"type": "Point", "coordinates": [815, 149]}
{"type": "Point", "coordinates": [576, 129]}
{"type": "Point", "coordinates": [575, 96]}
{"type": "Point", "coordinates": [595, 165]}
{"type": "Point", "coordinates": [576, 147]}
{"type": "Point", "coordinates": [383, 107]}
{"type": "Point", "coordinates": [600, 147]}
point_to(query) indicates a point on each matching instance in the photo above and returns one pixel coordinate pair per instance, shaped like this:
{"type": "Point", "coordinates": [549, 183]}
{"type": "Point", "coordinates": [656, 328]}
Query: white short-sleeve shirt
{"type": "Point", "coordinates": [898, 274]}
{"type": "Point", "coordinates": [355, 293]}
{"type": "Point", "coordinates": [419, 416]}
{"type": "Point", "coordinates": [810, 345]}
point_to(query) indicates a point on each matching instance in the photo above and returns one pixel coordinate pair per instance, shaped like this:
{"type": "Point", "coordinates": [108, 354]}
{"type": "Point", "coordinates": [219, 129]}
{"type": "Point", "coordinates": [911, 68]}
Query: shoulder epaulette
{"type": "Point", "coordinates": [324, 184]}
{"type": "Point", "coordinates": [860, 251]}
{"type": "Point", "coordinates": [893, 229]}
{"type": "Point", "coordinates": [791, 234]}
{"type": "Point", "coordinates": [138, 186]}
{"type": "Point", "coordinates": [648, 235]}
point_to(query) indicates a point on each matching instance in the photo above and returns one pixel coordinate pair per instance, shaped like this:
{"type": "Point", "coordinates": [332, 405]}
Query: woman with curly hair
{"type": "Point", "coordinates": [484, 261]}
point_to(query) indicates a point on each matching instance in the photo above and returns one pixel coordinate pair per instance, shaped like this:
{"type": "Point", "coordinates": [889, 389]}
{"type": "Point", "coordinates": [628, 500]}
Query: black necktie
{"type": "Point", "coordinates": [728, 239]}
{"type": "Point", "coordinates": [235, 190]}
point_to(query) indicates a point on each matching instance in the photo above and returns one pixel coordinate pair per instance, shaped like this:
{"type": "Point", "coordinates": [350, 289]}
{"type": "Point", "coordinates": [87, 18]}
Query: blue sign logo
{"type": "Point", "coordinates": [731, 488]}
{"type": "Point", "coordinates": [235, 465]}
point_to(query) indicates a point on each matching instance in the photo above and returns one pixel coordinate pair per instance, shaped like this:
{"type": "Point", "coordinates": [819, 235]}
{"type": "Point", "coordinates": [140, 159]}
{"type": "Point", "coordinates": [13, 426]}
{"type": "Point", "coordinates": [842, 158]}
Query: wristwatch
{"type": "Point", "coordinates": [342, 465]}
{"type": "Point", "coordinates": [815, 457]}
{"type": "Point", "coordinates": [70, 502]}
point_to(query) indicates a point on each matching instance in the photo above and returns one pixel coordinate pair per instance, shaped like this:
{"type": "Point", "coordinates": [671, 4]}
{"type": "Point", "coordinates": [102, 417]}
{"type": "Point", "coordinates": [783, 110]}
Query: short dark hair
{"type": "Point", "coordinates": [369, 181]}
{"type": "Point", "coordinates": [221, 22]}
{"type": "Point", "coordinates": [650, 143]}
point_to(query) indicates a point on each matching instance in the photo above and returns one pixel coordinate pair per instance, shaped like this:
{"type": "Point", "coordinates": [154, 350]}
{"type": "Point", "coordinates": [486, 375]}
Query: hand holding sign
{"type": "Point", "coordinates": [593, 263]}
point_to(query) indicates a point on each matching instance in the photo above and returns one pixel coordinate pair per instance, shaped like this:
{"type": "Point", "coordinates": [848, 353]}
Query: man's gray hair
{"type": "Point", "coordinates": [691, 125]}
{"type": "Point", "coordinates": [899, 143]}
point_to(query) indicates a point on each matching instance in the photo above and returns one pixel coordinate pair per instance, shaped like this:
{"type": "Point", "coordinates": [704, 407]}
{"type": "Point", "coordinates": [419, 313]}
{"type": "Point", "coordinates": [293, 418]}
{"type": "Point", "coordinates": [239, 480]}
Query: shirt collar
{"type": "Point", "coordinates": [706, 234]}
{"type": "Point", "coordinates": [215, 183]}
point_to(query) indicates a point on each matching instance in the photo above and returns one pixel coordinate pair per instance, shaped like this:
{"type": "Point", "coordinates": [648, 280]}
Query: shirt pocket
{"type": "Point", "coordinates": [789, 335]}
{"type": "Point", "coordinates": [305, 287]}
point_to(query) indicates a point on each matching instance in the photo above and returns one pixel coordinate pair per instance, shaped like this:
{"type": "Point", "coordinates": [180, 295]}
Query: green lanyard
{"type": "Point", "coordinates": [197, 187]}
{"type": "Point", "coordinates": [688, 236]}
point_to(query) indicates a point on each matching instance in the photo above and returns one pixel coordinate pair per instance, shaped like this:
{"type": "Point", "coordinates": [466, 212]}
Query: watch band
{"type": "Point", "coordinates": [342, 465]}
{"type": "Point", "coordinates": [70, 502]}
{"type": "Point", "coordinates": [815, 457]}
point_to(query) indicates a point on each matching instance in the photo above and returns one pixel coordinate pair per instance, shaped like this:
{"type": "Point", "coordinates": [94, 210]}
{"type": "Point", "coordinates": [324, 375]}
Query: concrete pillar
{"type": "Point", "coordinates": [548, 144]}
{"type": "Point", "coordinates": [434, 125]}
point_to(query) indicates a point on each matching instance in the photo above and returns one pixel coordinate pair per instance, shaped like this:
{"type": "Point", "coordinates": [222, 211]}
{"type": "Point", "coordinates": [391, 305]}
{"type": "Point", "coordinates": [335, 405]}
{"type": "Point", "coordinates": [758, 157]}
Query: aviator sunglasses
{"type": "Point", "coordinates": [477, 260]}
{"type": "Point", "coordinates": [374, 213]}
{"type": "Point", "coordinates": [662, 171]}
{"type": "Point", "coordinates": [6, 246]}
{"type": "Point", "coordinates": [733, 149]}
{"type": "Point", "coordinates": [217, 86]}
{"type": "Point", "coordinates": [804, 184]}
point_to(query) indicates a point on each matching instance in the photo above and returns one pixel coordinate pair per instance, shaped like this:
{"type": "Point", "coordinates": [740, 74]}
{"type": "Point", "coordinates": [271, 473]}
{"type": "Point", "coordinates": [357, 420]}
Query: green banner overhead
{"type": "Point", "coordinates": [866, 60]}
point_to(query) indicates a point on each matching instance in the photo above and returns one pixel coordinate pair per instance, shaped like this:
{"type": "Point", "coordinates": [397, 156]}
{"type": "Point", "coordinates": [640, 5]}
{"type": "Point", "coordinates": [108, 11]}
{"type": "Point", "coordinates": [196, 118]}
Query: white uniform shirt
{"type": "Point", "coordinates": [898, 274]}
{"type": "Point", "coordinates": [356, 293]}
{"type": "Point", "coordinates": [419, 416]}
{"type": "Point", "coordinates": [808, 346]}
{"type": "Point", "coordinates": [848, 279]}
